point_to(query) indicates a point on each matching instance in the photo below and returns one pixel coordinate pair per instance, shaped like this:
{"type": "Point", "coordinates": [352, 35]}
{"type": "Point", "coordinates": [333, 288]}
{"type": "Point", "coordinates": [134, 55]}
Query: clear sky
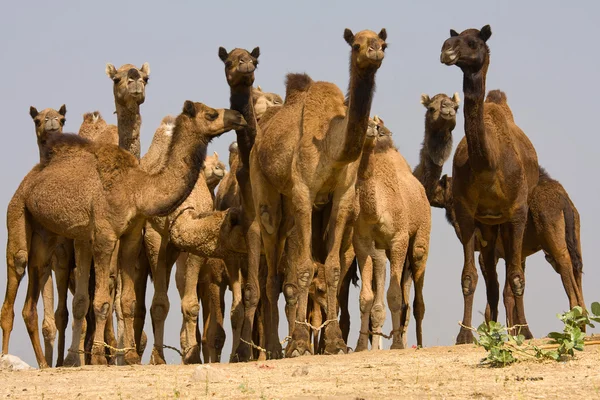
{"type": "Point", "coordinates": [543, 55]}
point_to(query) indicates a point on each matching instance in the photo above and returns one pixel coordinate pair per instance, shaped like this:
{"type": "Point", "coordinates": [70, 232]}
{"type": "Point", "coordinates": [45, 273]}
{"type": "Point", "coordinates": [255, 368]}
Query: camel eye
{"type": "Point", "coordinates": [146, 79]}
{"type": "Point", "coordinates": [356, 47]}
{"type": "Point", "coordinates": [212, 116]}
{"type": "Point", "coordinates": [431, 109]}
{"type": "Point", "coordinates": [472, 44]}
{"type": "Point", "coordinates": [384, 46]}
{"type": "Point", "coordinates": [228, 63]}
{"type": "Point", "coordinates": [62, 121]}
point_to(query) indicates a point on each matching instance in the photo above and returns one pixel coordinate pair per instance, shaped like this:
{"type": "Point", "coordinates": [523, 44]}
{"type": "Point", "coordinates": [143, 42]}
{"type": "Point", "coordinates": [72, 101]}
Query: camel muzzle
{"type": "Point", "coordinates": [234, 119]}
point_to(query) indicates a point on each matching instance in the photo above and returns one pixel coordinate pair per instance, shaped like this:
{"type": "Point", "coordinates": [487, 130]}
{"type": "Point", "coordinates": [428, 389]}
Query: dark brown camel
{"type": "Point", "coordinates": [495, 170]}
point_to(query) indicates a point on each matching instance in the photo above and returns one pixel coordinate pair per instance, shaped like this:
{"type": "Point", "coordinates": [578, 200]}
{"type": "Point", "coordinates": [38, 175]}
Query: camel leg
{"type": "Point", "coordinates": [220, 336]}
{"type": "Point", "coordinates": [130, 246]}
{"type": "Point", "coordinates": [65, 262]}
{"type": "Point", "coordinates": [273, 287]}
{"type": "Point", "coordinates": [512, 239]}
{"type": "Point", "coordinates": [104, 254]}
{"type": "Point", "coordinates": [348, 271]}
{"type": "Point", "coordinates": [203, 293]}
{"type": "Point", "coordinates": [377, 314]}
{"type": "Point", "coordinates": [49, 323]}
{"type": "Point", "coordinates": [81, 300]}
{"type": "Point", "coordinates": [487, 263]}
{"type": "Point", "coordinates": [406, 283]}
{"type": "Point", "coordinates": [366, 296]}
{"type": "Point", "coordinates": [37, 263]}
{"type": "Point", "coordinates": [142, 273]}
{"type": "Point", "coordinates": [233, 265]}
{"type": "Point", "coordinates": [397, 300]}
{"type": "Point", "coordinates": [214, 331]}
{"type": "Point", "coordinates": [418, 261]}
{"type": "Point", "coordinates": [469, 273]}
{"type": "Point", "coordinates": [190, 308]}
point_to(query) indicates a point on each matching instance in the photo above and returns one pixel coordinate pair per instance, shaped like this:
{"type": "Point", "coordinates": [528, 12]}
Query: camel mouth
{"type": "Point", "coordinates": [449, 57]}
{"type": "Point", "coordinates": [448, 117]}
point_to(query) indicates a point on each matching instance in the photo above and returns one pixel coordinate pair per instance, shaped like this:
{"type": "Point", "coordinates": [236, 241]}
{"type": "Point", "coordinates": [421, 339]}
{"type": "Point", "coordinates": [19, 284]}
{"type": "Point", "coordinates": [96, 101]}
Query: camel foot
{"type": "Point", "coordinates": [363, 343]}
{"type": "Point", "coordinates": [143, 344]}
{"type": "Point", "coordinates": [132, 358]}
{"type": "Point", "coordinates": [521, 330]}
{"type": "Point", "coordinates": [464, 336]}
{"type": "Point", "coordinates": [98, 359]}
{"type": "Point", "coordinates": [334, 344]}
{"type": "Point", "coordinates": [398, 345]}
{"type": "Point", "coordinates": [192, 355]}
{"type": "Point", "coordinates": [242, 354]}
{"type": "Point", "coordinates": [275, 352]}
{"type": "Point", "coordinates": [157, 357]}
{"type": "Point", "coordinates": [297, 348]}
{"type": "Point", "coordinates": [72, 360]}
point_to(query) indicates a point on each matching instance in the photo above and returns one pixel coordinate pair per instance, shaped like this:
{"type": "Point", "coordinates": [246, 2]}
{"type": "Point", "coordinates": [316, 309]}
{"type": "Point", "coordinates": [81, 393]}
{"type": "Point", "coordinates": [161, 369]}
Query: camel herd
{"type": "Point", "coordinates": [316, 192]}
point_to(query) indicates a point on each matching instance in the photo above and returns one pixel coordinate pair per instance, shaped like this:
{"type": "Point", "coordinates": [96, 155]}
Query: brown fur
{"type": "Point", "coordinates": [394, 219]}
{"type": "Point", "coordinates": [95, 128]}
{"type": "Point", "coordinates": [307, 155]}
{"type": "Point", "coordinates": [263, 101]}
{"type": "Point", "coordinates": [495, 170]}
{"type": "Point", "coordinates": [440, 120]}
{"type": "Point", "coordinates": [47, 122]}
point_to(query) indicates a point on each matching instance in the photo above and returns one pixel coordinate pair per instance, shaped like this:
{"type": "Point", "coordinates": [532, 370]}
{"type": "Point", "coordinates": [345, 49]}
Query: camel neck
{"type": "Point", "coordinates": [367, 159]}
{"type": "Point", "coordinates": [161, 193]}
{"type": "Point", "coordinates": [128, 124]}
{"type": "Point", "coordinates": [480, 145]}
{"type": "Point", "coordinates": [360, 96]}
{"type": "Point", "coordinates": [241, 101]}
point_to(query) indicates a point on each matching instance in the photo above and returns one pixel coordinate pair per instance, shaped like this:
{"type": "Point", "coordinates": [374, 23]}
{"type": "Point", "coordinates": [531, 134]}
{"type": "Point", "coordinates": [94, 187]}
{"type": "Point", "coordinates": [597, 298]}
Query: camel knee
{"type": "Point", "coordinates": [366, 301]}
{"type": "Point", "coordinates": [251, 296]}
{"type": "Point", "coordinates": [517, 284]}
{"type": "Point", "coordinates": [101, 307]}
{"type": "Point", "coordinates": [419, 253]}
{"type": "Point", "coordinates": [20, 262]}
{"type": "Point", "coordinates": [30, 316]}
{"type": "Point", "coordinates": [468, 285]}
{"type": "Point", "coordinates": [190, 309]}
{"type": "Point", "coordinates": [394, 297]}
{"type": "Point", "coordinates": [61, 317]}
{"type": "Point", "coordinates": [378, 315]}
{"type": "Point", "coordinates": [160, 308]}
{"type": "Point", "coordinates": [81, 303]}
{"type": "Point", "coordinates": [290, 292]}
{"type": "Point", "coordinates": [332, 275]}
{"type": "Point", "coordinates": [267, 220]}
{"type": "Point", "coordinates": [49, 329]}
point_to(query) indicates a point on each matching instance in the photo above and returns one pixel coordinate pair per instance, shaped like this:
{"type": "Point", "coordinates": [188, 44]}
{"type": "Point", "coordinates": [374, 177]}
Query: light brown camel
{"type": "Point", "coordinates": [552, 226]}
{"type": "Point", "coordinates": [440, 120]}
{"type": "Point", "coordinates": [95, 128]}
{"type": "Point", "coordinates": [48, 122]}
{"type": "Point", "coordinates": [306, 155]}
{"type": "Point", "coordinates": [214, 171]}
{"type": "Point", "coordinates": [118, 196]}
{"type": "Point", "coordinates": [394, 222]}
{"type": "Point", "coordinates": [263, 101]}
{"type": "Point", "coordinates": [495, 170]}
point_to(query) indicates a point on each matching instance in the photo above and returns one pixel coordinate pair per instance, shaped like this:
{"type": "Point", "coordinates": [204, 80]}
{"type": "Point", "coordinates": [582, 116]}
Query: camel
{"type": "Point", "coordinates": [552, 226]}
{"type": "Point", "coordinates": [48, 122]}
{"type": "Point", "coordinates": [121, 196]}
{"type": "Point", "coordinates": [440, 120]}
{"type": "Point", "coordinates": [495, 170]}
{"type": "Point", "coordinates": [393, 222]}
{"type": "Point", "coordinates": [214, 171]}
{"type": "Point", "coordinates": [95, 128]}
{"type": "Point", "coordinates": [306, 155]}
{"type": "Point", "coordinates": [263, 101]}
{"type": "Point", "coordinates": [227, 195]}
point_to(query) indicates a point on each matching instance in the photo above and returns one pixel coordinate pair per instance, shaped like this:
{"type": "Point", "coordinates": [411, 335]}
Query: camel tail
{"type": "Point", "coordinates": [496, 96]}
{"type": "Point", "coordinates": [572, 235]}
{"type": "Point", "coordinates": [296, 82]}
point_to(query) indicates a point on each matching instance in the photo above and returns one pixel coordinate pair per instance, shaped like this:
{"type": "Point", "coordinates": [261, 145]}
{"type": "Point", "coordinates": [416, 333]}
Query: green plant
{"type": "Point", "coordinates": [571, 338]}
{"type": "Point", "coordinates": [494, 338]}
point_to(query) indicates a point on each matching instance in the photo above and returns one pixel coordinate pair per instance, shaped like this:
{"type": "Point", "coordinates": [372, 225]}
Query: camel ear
{"type": "Point", "coordinates": [485, 33]}
{"type": "Point", "coordinates": [223, 54]}
{"type": "Point", "coordinates": [189, 109]}
{"type": "Point", "coordinates": [453, 33]}
{"type": "Point", "coordinates": [258, 88]}
{"type": "Point", "coordinates": [255, 52]}
{"type": "Point", "coordinates": [349, 36]}
{"type": "Point", "coordinates": [456, 98]}
{"type": "Point", "coordinates": [216, 155]}
{"type": "Point", "coordinates": [111, 71]}
{"type": "Point", "coordinates": [383, 34]}
{"type": "Point", "coordinates": [145, 68]}
{"type": "Point", "coordinates": [425, 100]}
{"type": "Point", "coordinates": [63, 110]}
{"type": "Point", "coordinates": [33, 112]}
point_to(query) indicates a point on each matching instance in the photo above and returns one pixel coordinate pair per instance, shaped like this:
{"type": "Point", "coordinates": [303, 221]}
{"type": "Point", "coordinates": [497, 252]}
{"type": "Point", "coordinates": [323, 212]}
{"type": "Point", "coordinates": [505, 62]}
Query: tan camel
{"type": "Point", "coordinates": [214, 171]}
{"type": "Point", "coordinates": [552, 226]}
{"type": "Point", "coordinates": [306, 155]}
{"type": "Point", "coordinates": [122, 196]}
{"type": "Point", "coordinates": [440, 120]}
{"type": "Point", "coordinates": [263, 101]}
{"type": "Point", "coordinates": [495, 170]}
{"type": "Point", "coordinates": [394, 219]}
{"type": "Point", "coordinates": [48, 122]}
{"type": "Point", "coordinates": [95, 128]}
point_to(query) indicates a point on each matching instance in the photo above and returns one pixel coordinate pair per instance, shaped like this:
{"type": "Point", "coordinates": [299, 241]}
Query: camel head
{"type": "Point", "coordinates": [214, 170]}
{"type": "Point", "coordinates": [233, 153]}
{"type": "Point", "coordinates": [441, 111]}
{"type": "Point", "coordinates": [129, 84]}
{"type": "Point", "coordinates": [263, 101]}
{"type": "Point", "coordinates": [467, 50]}
{"type": "Point", "coordinates": [239, 65]}
{"type": "Point", "coordinates": [210, 122]}
{"type": "Point", "coordinates": [48, 121]}
{"type": "Point", "coordinates": [368, 48]}
{"type": "Point", "coordinates": [93, 118]}
{"type": "Point", "coordinates": [376, 131]}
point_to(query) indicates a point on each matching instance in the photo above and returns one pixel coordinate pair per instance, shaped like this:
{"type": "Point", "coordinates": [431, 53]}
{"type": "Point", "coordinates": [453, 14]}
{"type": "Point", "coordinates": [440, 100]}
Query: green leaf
{"type": "Point", "coordinates": [555, 335]}
{"type": "Point", "coordinates": [596, 309]}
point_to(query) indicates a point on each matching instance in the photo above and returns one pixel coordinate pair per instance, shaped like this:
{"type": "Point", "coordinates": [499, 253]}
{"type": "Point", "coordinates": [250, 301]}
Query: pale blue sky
{"type": "Point", "coordinates": [543, 55]}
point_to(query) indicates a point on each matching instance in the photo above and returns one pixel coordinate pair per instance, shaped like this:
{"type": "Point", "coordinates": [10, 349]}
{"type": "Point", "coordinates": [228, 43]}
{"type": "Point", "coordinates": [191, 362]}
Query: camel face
{"type": "Point", "coordinates": [212, 122]}
{"type": "Point", "coordinates": [441, 111]}
{"type": "Point", "coordinates": [129, 84]}
{"type": "Point", "coordinates": [368, 47]}
{"type": "Point", "coordinates": [467, 49]}
{"type": "Point", "coordinates": [214, 169]}
{"type": "Point", "coordinates": [239, 65]}
{"type": "Point", "coordinates": [263, 101]}
{"type": "Point", "coordinates": [48, 121]}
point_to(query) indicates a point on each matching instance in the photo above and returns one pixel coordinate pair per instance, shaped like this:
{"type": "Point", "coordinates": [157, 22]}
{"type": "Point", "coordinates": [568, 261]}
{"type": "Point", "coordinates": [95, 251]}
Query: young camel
{"type": "Point", "coordinates": [394, 220]}
{"type": "Point", "coordinates": [122, 196]}
{"type": "Point", "coordinates": [495, 170]}
{"type": "Point", "coordinates": [263, 101]}
{"type": "Point", "coordinates": [48, 122]}
{"type": "Point", "coordinates": [552, 226]}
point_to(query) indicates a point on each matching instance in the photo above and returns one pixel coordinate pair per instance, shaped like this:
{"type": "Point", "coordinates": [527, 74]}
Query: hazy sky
{"type": "Point", "coordinates": [543, 55]}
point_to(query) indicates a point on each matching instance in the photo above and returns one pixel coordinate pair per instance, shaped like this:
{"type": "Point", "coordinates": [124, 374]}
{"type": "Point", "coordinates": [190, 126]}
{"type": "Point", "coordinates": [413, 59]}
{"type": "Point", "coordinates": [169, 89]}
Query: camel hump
{"type": "Point", "coordinates": [496, 96]}
{"type": "Point", "coordinates": [296, 82]}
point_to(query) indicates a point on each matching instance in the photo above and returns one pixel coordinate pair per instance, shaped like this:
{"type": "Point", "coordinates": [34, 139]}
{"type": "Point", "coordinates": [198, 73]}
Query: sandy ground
{"type": "Point", "coordinates": [430, 373]}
